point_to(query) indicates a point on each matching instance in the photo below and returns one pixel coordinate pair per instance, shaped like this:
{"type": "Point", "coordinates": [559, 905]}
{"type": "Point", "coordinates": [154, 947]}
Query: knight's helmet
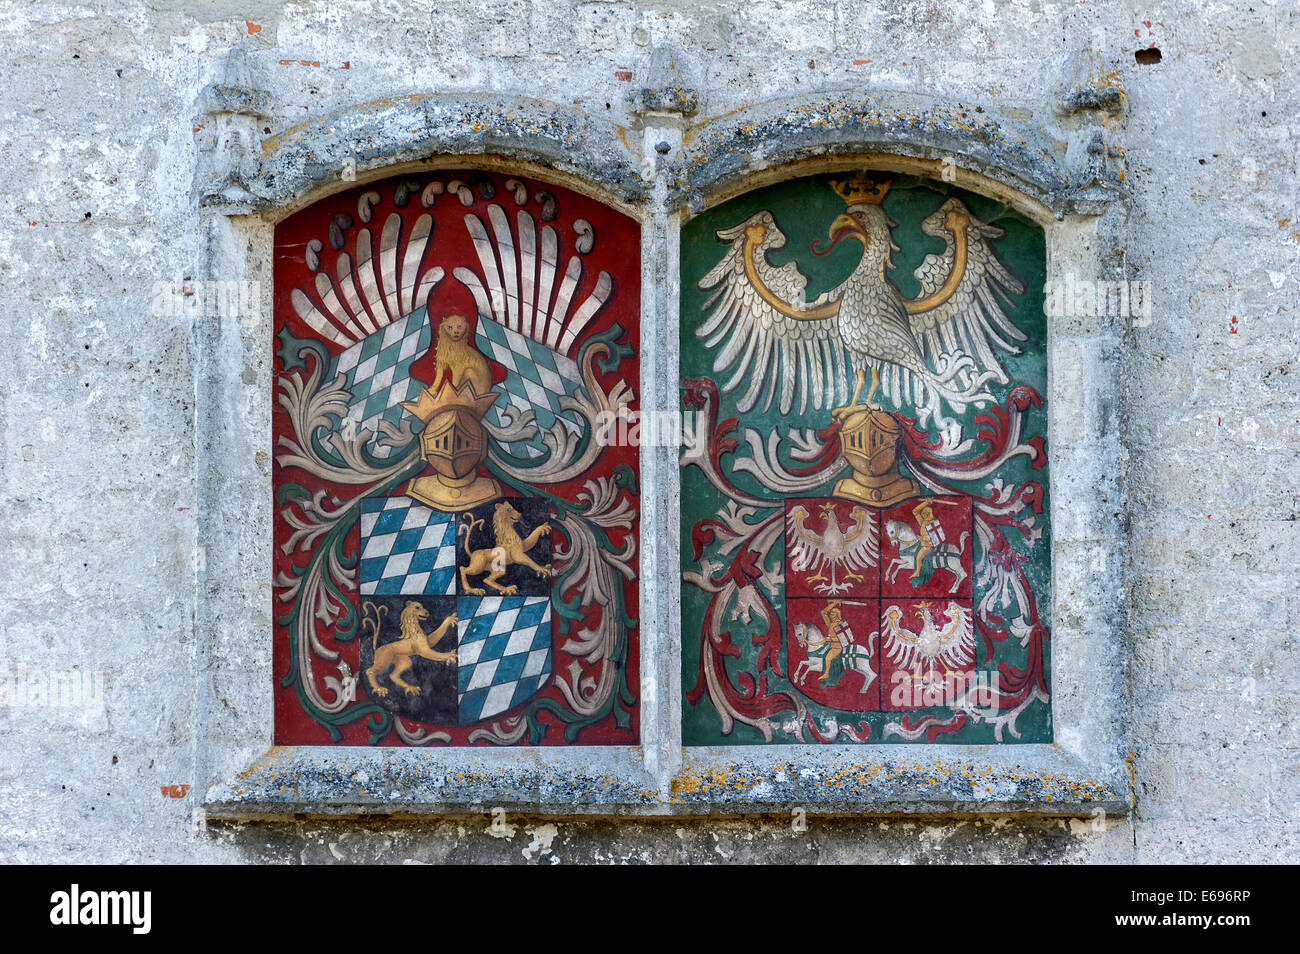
{"type": "Point", "coordinates": [869, 441]}
{"type": "Point", "coordinates": [453, 444]}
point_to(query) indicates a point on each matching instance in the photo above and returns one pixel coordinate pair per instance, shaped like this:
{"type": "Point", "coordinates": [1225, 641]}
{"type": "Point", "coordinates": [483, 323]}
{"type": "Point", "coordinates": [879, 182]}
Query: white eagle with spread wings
{"type": "Point", "coordinates": [950, 646]}
{"type": "Point", "coordinates": [939, 348]}
{"type": "Point", "coordinates": [833, 555]}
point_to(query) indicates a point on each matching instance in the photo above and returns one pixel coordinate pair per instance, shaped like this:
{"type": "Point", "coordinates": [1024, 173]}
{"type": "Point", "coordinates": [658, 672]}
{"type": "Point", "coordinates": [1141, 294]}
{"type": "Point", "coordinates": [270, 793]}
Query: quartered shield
{"type": "Point", "coordinates": [479, 572]}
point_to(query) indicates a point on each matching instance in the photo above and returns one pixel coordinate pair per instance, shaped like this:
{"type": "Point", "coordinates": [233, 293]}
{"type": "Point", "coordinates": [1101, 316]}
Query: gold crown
{"type": "Point", "coordinates": [860, 190]}
{"type": "Point", "coordinates": [431, 403]}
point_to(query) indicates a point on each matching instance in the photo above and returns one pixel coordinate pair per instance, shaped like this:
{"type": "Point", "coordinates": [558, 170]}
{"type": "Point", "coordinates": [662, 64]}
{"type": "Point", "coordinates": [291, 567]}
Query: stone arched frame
{"type": "Point", "coordinates": [658, 172]}
{"type": "Point", "coordinates": [1065, 180]}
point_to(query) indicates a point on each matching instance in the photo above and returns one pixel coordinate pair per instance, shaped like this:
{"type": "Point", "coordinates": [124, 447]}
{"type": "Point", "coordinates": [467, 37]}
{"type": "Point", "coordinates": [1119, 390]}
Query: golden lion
{"type": "Point", "coordinates": [494, 561]}
{"type": "Point", "coordinates": [394, 659]}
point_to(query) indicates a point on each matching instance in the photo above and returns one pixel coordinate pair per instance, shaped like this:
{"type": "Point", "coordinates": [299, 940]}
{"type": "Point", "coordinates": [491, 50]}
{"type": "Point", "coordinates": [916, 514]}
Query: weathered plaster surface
{"type": "Point", "coordinates": [134, 448]}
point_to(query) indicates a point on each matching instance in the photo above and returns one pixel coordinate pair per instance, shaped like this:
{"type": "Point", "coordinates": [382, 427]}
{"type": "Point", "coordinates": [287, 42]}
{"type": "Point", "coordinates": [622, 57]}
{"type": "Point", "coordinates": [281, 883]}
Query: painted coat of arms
{"type": "Point", "coordinates": [456, 551]}
{"type": "Point", "coordinates": [865, 551]}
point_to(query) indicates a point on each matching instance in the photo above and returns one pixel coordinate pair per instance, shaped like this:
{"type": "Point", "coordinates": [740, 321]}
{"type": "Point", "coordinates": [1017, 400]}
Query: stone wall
{"type": "Point", "coordinates": [108, 430]}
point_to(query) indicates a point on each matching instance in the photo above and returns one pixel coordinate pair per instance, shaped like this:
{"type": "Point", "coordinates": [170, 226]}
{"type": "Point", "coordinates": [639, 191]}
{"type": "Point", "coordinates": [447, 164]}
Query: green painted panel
{"type": "Point", "coordinates": [873, 569]}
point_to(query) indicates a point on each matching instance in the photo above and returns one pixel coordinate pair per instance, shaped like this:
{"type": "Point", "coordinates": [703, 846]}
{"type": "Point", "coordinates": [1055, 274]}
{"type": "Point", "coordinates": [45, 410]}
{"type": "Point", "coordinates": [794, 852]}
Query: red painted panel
{"type": "Point", "coordinates": [398, 304]}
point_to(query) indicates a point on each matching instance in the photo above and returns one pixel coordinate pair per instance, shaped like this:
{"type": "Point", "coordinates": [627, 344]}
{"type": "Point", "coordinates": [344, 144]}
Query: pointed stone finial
{"type": "Point", "coordinates": [230, 136]}
{"type": "Point", "coordinates": [236, 93]}
{"type": "Point", "coordinates": [1092, 98]}
{"type": "Point", "coordinates": [667, 89]}
{"type": "Point", "coordinates": [1090, 87]}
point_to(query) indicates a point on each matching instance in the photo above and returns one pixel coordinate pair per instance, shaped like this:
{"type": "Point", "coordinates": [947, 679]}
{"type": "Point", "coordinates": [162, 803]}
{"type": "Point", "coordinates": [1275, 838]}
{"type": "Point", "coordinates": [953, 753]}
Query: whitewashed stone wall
{"type": "Point", "coordinates": [103, 418]}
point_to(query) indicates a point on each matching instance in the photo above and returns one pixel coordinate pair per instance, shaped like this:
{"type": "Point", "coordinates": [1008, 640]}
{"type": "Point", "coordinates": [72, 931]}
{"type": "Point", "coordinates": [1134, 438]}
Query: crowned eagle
{"type": "Point", "coordinates": [939, 349]}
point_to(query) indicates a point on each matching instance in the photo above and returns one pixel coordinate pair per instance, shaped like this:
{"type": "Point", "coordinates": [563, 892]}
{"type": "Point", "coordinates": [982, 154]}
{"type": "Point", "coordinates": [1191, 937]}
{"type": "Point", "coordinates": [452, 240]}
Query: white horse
{"type": "Point", "coordinates": [816, 646]}
{"type": "Point", "coordinates": [947, 556]}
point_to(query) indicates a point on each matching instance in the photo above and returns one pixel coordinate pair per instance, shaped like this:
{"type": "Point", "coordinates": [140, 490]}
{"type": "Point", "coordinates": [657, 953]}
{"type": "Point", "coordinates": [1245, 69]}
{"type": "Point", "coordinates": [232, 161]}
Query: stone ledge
{"type": "Point", "coordinates": [318, 780]}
